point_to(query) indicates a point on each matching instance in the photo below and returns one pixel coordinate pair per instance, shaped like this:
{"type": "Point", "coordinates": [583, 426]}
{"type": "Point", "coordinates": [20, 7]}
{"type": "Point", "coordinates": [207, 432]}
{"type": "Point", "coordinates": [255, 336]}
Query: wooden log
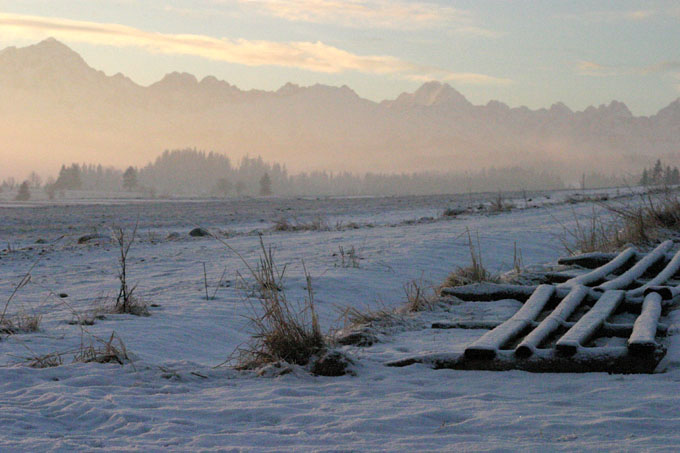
{"type": "Point", "coordinates": [627, 278]}
{"type": "Point", "coordinates": [486, 346]}
{"type": "Point", "coordinates": [601, 272]}
{"type": "Point", "coordinates": [643, 338]}
{"type": "Point", "coordinates": [483, 292]}
{"type": "Point", "coordinates": [587, 260]}
{"type": "Point", "coordinates": [596, 259]}
{"type": "Point", "coordinates": [487, 325]}
{"type": "Point", "coordinates": [557, 318]}
{"type": "Point", "coordinates": [586, 327]}
{"type": "Point", "coordinates": [607, 329]}
{"type": "Point", "coordinates": [626, 330]}
{"type": "Point", "coordinates": [609, 360]}
{"type": "Point", "coordinates": [560, 276]}
{"type": "Point", "coordinates": [666, 274]}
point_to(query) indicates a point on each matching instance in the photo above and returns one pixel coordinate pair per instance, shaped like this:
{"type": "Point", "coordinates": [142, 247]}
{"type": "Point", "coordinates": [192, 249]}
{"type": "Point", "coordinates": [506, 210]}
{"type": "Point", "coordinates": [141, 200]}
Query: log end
{"type": "Point", "coordinates": [642, 349]}
{"type": "Point", "coordinates": [566, 348]}
{"type": "Point", "coordinates": [480, 353]}
{"type": "Point", "coordinates": [524, 352]}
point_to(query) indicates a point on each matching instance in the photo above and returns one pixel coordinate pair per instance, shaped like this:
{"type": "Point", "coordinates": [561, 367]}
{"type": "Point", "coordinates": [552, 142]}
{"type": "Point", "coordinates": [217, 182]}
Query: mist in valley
{"type": "Point", "coordinates": [315, 140]}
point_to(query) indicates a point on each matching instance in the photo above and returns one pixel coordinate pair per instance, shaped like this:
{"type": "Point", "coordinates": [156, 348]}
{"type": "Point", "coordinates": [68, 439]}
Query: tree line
{"type": "Point", "coordinates": [660, 175]}
{"type": "Point", "coordinates": [191, 172]}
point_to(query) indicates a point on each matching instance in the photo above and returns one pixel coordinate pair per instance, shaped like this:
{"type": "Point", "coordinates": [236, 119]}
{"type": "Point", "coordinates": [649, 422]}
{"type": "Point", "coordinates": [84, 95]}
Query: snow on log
{"type": "Point", "coordinates": [603, 359]}
{"type": "Point", "coordinates": [627, 278]}
{"type": "Point", "coordinates": [557, 318]}
{"type": "Point", "coordinates": [601, 272]}
{"type": "Point", "coordinates": [479, 292]}
{"type": "Point", "coordinates": [662, 277]}
{"type": "Point", "coordinates": [586, 327]}
{"type": "Point", "coordinates": [643, 338]}
{"type": "Point", "coordinates": [489, 343]}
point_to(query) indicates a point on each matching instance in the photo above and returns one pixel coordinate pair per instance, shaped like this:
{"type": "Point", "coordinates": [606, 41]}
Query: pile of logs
{"type": "Point", "coordinates": [560, 319]}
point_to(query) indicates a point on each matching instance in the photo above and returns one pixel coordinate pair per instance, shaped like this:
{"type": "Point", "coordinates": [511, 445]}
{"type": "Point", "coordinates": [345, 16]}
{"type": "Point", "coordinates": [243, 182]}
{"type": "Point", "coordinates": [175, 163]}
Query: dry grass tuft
{"type": "Point", "coordinates": [134, 306]}
{"type": "Point", "coordinates": [46, 361]}
{"type": "Point", "coordinates": [20, 323]}
{"type": "Point", "coordinates": [354, 317]}
{"type": "Point", "coordinates": [318, 223]}
{"type": "Point", "coordinates": [418, 298]}
{"type": "Point", "coordinates": [100, 351]}
{"type": "Point", "coordinates": [475, 272]}
{"type": "Point", "coordinates": [349, 257]}
{"type": "Point", "coordinates": [97, 350]}
{"type": "Point", "coordinates": [282, 330]}
{"type": "Point", "coordinates": [268, 277]}
{"type": "Point", "coordinates": [517, 262]}
{"type": "Point", "coordinates": [499, 204]}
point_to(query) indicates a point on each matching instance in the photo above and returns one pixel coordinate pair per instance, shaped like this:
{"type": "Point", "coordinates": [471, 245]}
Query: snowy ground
{"type": "Point", "coordinates": [172, 398]}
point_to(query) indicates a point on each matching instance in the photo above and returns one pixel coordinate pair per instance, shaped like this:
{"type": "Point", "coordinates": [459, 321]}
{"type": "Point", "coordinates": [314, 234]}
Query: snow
{"type": "Point", "coordinates": [172, 398]}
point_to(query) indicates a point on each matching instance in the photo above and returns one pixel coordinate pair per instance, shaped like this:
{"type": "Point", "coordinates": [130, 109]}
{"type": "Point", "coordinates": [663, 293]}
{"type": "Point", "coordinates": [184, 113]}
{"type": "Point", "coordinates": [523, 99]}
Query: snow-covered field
{"type": "Point", "coordinates": [171, 396]}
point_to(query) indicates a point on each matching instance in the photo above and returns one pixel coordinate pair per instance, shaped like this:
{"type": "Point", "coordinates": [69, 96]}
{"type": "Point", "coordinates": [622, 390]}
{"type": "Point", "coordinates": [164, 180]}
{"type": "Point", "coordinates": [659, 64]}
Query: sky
{"type": "Point", "coordinates": [521, 52]}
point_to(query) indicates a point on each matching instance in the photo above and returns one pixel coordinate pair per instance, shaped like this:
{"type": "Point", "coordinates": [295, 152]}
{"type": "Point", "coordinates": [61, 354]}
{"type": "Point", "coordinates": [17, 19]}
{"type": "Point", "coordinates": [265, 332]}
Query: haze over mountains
{"type": "Point", "coordinates": [56, 109]}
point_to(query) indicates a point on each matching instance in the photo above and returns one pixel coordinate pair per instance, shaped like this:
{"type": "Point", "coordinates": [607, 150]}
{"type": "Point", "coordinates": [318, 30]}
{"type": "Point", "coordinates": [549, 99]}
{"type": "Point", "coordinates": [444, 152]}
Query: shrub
{"type": "Point", "coordinates": [126, 301]}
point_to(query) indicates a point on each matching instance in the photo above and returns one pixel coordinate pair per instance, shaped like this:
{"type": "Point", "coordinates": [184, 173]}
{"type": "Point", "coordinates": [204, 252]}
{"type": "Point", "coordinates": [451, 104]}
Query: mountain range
{"type": "Point", "coordinates": [55, 108]}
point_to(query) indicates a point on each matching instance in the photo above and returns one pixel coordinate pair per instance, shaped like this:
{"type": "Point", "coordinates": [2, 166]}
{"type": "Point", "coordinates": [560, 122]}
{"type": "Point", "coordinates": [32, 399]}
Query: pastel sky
{"type": "Point", "coordinates": [523, 52]}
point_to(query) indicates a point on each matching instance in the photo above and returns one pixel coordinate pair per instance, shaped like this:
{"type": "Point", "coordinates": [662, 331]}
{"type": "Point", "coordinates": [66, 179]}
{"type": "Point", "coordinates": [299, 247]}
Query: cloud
{"type": "Point", "coordinates": [616, 16]}
{"type": "Point", "coordinates": [377, 13]}
{"type": "Point", "coordinates": [311, 56]}
{"type": "Point", "coordinates": [591, 68]}
{"type": "Point", "coordinates": [639, 15]}
{"type": "Point", "coordinates": [662, 67]}
{"type": "Point", "coordinates": [468, 78]}
{"type": "Point", "coordinates": [476, 31]}
{"type": "Point", "coordinates": [676, 78]}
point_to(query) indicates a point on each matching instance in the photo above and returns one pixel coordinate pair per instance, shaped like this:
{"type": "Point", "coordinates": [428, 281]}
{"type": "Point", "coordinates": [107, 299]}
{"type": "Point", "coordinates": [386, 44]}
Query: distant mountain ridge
{"type": "Point", "coordinates": [54, 105]}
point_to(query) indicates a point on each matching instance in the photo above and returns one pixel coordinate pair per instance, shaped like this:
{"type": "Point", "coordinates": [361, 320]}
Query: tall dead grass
{"type": "Point", "coordinates": [637, 221]}
{"type": "Point", "coordinates": [282, 330]}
